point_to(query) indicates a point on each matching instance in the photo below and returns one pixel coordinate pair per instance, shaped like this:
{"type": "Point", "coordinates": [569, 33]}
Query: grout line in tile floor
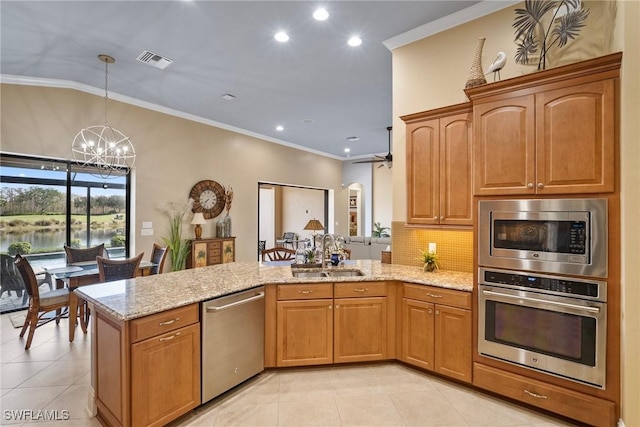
{"type": "Point", "coordinates": [54, 377]}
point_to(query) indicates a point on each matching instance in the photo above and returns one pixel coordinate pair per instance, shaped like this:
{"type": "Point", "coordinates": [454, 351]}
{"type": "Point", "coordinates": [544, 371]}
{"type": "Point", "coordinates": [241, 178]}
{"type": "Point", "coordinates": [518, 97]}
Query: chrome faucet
{"type": "Point", "coordinates": [324, 239]}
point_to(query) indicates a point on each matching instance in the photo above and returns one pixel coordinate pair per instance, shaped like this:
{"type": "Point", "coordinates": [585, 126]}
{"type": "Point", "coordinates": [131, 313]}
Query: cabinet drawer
{"type": "Point", "coordinates": [360, 289]}
{"type": "Point", "coordinates": [161, 323]}
{"type": "Point", "coordinates": [578, 406]}
{"type": "Point", "coordinates": [305, 291]}
{"type": "Point", "coordinates": [438, 295]}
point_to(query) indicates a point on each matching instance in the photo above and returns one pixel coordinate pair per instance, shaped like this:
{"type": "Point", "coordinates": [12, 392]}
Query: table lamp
{"type": "Point", "coordinates": [314, 225]}
{"type": "Point", "coordinates": [198, 220]}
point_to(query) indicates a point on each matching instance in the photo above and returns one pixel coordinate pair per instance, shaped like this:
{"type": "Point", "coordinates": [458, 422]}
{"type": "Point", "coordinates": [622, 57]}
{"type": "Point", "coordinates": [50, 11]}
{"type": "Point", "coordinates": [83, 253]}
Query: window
{"type": "Point", "coordinates": [47, 203]}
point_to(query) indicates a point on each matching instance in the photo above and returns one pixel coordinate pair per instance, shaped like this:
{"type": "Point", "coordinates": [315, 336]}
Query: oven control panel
{"type": "Point", "coordinates": [544, 283]}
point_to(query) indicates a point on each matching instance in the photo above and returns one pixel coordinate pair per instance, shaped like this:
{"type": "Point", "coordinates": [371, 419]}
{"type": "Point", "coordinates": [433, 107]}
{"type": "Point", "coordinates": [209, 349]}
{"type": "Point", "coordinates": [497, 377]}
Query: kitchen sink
{"type": "Point", "coordinates": [345, 273]}
{"type": "Point", "coordinates": [304, 274]}
{"type": "Point", "coordinates": [327, 273]}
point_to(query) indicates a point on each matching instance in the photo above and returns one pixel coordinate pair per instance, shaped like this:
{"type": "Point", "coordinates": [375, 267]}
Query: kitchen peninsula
{"type": "Point", "coordinates": [146, 331]}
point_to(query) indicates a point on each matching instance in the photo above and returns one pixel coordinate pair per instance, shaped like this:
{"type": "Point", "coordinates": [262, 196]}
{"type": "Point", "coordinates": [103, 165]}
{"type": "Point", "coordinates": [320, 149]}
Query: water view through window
{"type": "Point", "coordinates": [46, 204]}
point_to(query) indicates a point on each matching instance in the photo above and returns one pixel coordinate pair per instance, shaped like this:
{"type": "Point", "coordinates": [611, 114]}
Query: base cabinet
{"type": "Point", "coordinates": [313, 328]}
{"type": "Point", "coordinates": [304, 324]}
{"type": "Point", "coordinates": [147, 370]}
{"type": "Point", "coordinates": [163, 370]}
{"type": "Point", "coordinates": [305, 332]}
{"type": "Point", "coordinates": [435, 336]}
{"type": "Point", "coordinates": [578, 406]}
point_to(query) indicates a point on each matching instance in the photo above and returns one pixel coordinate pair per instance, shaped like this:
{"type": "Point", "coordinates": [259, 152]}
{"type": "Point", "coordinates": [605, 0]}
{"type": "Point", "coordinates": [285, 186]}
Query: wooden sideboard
{"type": "Point", "coordinates": [217, 250]}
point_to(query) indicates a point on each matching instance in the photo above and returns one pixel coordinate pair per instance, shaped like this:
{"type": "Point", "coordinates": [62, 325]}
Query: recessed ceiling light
{"type": "Point", "coordinates": [347, 150]}
{"type": "Point", "coordinates": [228, 96]}
{"type": "Point", "coordinates": [281, 37]}
{"type": "Point", "coordinates": [279, 128]}
{"type": "Point", "coordinates": [320, 14]}
{"type": "Point", "coordinates": [353, 138]}
{"type": "Point", "coordinates": [355, 41]}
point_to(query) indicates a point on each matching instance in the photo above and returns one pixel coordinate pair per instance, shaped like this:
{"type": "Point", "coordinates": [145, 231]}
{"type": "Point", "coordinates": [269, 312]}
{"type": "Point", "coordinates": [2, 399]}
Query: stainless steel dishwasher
{"type": "Point", "coordinates": [232, 341]}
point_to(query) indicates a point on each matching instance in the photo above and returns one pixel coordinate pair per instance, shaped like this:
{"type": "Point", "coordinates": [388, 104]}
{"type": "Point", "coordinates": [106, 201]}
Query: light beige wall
{"type": "Point", "coordinates": [172, 155]}
{"type": "Point", "coordinates": [628, 40]}
{"type": "Point", "coordinates": [431, 73]}
{"type": "Point", "coordinates": [382, 196]}
{"type": "Point", "coordinates": [299, 205]}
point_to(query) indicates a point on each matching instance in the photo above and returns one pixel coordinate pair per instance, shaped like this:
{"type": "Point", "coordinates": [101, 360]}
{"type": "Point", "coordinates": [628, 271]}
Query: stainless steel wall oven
{"type": "Point", "coordinates": [539, 305]}
{"type": "Point", "coordinates": [553, 324]}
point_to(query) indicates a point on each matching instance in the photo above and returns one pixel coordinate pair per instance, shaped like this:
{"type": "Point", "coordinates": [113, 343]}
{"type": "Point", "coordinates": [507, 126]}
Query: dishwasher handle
{"type": "Point", "coordinates": [214, 309]}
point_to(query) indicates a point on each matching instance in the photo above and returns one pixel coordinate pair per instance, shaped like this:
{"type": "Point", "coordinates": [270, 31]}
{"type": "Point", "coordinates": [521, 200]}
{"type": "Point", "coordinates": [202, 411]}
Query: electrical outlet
{"type": "Point", "coordinates": [146, 232]}
{"type": "Point", "coordinates": [147, 224]}
{"type": "Point", "coordinates": [432, 247]}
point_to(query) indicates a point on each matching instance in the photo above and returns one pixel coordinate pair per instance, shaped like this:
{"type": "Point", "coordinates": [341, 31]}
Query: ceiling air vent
{"type": "Point", "coordinates": [154, 59]}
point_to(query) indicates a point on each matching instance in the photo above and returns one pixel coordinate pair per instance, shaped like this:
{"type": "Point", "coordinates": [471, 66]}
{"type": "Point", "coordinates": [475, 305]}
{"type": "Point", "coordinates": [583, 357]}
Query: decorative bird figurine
{"type": "Point", "coordinates": [497, 65]}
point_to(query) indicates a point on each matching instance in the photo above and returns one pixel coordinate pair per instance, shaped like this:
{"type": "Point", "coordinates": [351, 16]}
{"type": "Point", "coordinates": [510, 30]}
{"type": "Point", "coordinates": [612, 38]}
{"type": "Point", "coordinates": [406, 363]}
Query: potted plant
{"type": "Point", "coordinates": [380, 231]}
{"type": "Point", "coordinates": [429, 260]}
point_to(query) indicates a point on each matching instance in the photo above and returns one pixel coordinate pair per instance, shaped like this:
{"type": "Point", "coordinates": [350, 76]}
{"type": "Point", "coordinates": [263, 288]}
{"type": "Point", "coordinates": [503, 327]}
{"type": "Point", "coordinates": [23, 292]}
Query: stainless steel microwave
{"type": "Point", "coordinates": [566, 236]}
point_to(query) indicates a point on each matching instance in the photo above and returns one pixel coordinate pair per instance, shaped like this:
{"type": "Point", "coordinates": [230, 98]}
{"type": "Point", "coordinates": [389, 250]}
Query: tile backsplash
{"type": "Point", "coordinates": [454, 247]}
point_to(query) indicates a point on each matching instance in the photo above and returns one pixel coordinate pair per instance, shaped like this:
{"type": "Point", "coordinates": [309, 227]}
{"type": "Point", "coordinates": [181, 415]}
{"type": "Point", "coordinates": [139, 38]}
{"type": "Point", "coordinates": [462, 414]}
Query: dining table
{"type": "Point", "coordinates": [78, 274]}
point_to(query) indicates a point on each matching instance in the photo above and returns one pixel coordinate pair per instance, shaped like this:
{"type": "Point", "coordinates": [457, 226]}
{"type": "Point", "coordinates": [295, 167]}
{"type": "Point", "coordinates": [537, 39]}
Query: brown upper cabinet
{"type": "Point", "coordinates": [551, 132]}
{"type": "Point", "coordinates": [439, 154]}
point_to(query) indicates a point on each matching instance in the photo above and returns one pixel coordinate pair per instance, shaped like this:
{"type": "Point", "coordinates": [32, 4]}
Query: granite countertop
{"type": "Point", "coordinates": [133, 298]}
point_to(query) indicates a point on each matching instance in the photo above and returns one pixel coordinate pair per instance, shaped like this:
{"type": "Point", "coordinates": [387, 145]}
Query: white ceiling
{"type": "Point", "coordinates": [221, 47]}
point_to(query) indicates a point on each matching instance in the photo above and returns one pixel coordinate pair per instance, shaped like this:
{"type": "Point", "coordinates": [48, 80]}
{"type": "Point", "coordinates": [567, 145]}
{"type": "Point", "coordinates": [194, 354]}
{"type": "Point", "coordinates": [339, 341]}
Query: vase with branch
{"type": "Point", "coordinates": [228, 199]}
{"type": "Point", "coordinates": [532, 36]}
{"type": "Point", "coordinates": [178, 247]}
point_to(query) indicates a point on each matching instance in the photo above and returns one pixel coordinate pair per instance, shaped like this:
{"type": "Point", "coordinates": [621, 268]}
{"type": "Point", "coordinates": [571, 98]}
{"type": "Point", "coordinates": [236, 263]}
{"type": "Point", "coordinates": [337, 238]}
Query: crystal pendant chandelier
{"type": "Point", "coordinates": [105, 151]}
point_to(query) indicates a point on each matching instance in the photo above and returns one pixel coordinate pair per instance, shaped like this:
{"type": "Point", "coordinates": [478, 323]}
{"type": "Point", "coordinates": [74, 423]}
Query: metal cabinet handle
{"type": "Point", "coordinates": [305, 291]}
{"type": "Point", "coordinates": [530, 185]}
{"type": "Point", "coordinates": [170, 338]}
{"type": "Point", "coordinates": [437, 311]}
{"type": "Point", "coordinates": [537, 396]}
{"type": "Point", "coordinates": [433, 295]}
{"type": "Point", "coordinates": [169, 322]}
{"type": "Point", "coordinates": [540, 185]}
{"type": "Point", "coordinates": [257, 296]}
{"type": "Point", "coordinates": [361, 290]}
{"type": "Point", "coordinates": [441, 218]}
{"type": "Point", "coordinates": [430, 311]}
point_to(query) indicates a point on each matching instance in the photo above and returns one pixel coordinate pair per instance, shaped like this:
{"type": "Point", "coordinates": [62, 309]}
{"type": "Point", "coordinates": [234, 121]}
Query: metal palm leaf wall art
{"type": "Point", "coordinates": [533, 36]}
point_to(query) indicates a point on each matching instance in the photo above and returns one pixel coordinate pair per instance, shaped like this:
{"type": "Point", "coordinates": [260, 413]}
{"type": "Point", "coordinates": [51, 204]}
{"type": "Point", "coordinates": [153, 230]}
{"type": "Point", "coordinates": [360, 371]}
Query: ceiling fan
{"type": "Point", "coordinates": [386, 160]}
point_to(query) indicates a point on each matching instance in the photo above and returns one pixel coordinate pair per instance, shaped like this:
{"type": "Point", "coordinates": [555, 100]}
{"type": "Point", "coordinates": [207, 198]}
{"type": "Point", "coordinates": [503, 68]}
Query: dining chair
{"type": "Point", "coordinates": [288, 238]}
{"type": "Point", "coordinates": [158, 255]}
{"type": "Point", "coordinates": [108, 271]}
{"type": "Point", "coordinates": [87, 254]}
{"type": "Point", "coordinates": [118, 269]}
{"type": "Point", "coordinates": [39, 305]}
{"type": "Point", "coordinates": [278, 254]}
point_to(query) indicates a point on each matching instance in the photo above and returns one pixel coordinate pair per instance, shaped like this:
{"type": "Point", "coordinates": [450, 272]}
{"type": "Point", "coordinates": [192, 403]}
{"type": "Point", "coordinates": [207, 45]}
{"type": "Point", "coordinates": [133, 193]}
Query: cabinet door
{"type": "Point", "coordinates": [360, 329]}
{"type": "Point", "coordinates": [575, 139]}
{"type": "Point", "coordinates": [423, 196]}
{"type": "Point", "coordinates": [304, 331]}
{"type": "Point", "coordinates": [417, 333]}
{"type": "Point", "coordinates": [504, 146]}
{"type": "Point", "coordinates": [453, 342]}
{"type": "Point", "coordinates": [455, 169]}
{"type": "Point", "coordinates": [165, 376]}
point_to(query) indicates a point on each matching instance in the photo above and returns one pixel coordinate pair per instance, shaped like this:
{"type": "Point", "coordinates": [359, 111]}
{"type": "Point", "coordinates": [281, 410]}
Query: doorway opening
{"type": "Point", "coordinates": [287, 208]}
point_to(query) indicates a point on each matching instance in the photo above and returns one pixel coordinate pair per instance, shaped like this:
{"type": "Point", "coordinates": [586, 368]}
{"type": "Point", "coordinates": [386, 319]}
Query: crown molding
{"type": "Point", "coordinates": [471, 13]}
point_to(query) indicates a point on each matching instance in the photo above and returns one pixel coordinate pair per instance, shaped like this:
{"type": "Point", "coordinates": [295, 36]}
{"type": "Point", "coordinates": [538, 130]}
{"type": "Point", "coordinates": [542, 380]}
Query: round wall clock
{"type": "Point", "coordinates": [208, 198]}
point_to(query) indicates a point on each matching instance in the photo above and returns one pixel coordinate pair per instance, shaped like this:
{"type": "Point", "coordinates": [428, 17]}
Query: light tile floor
{"type": "Point", "coordinates": [54, 376]}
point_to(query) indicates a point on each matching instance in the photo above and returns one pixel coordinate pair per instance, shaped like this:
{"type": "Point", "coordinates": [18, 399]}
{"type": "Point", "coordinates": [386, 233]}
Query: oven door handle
{"type": "Point", "coordinates": [560, 304]}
